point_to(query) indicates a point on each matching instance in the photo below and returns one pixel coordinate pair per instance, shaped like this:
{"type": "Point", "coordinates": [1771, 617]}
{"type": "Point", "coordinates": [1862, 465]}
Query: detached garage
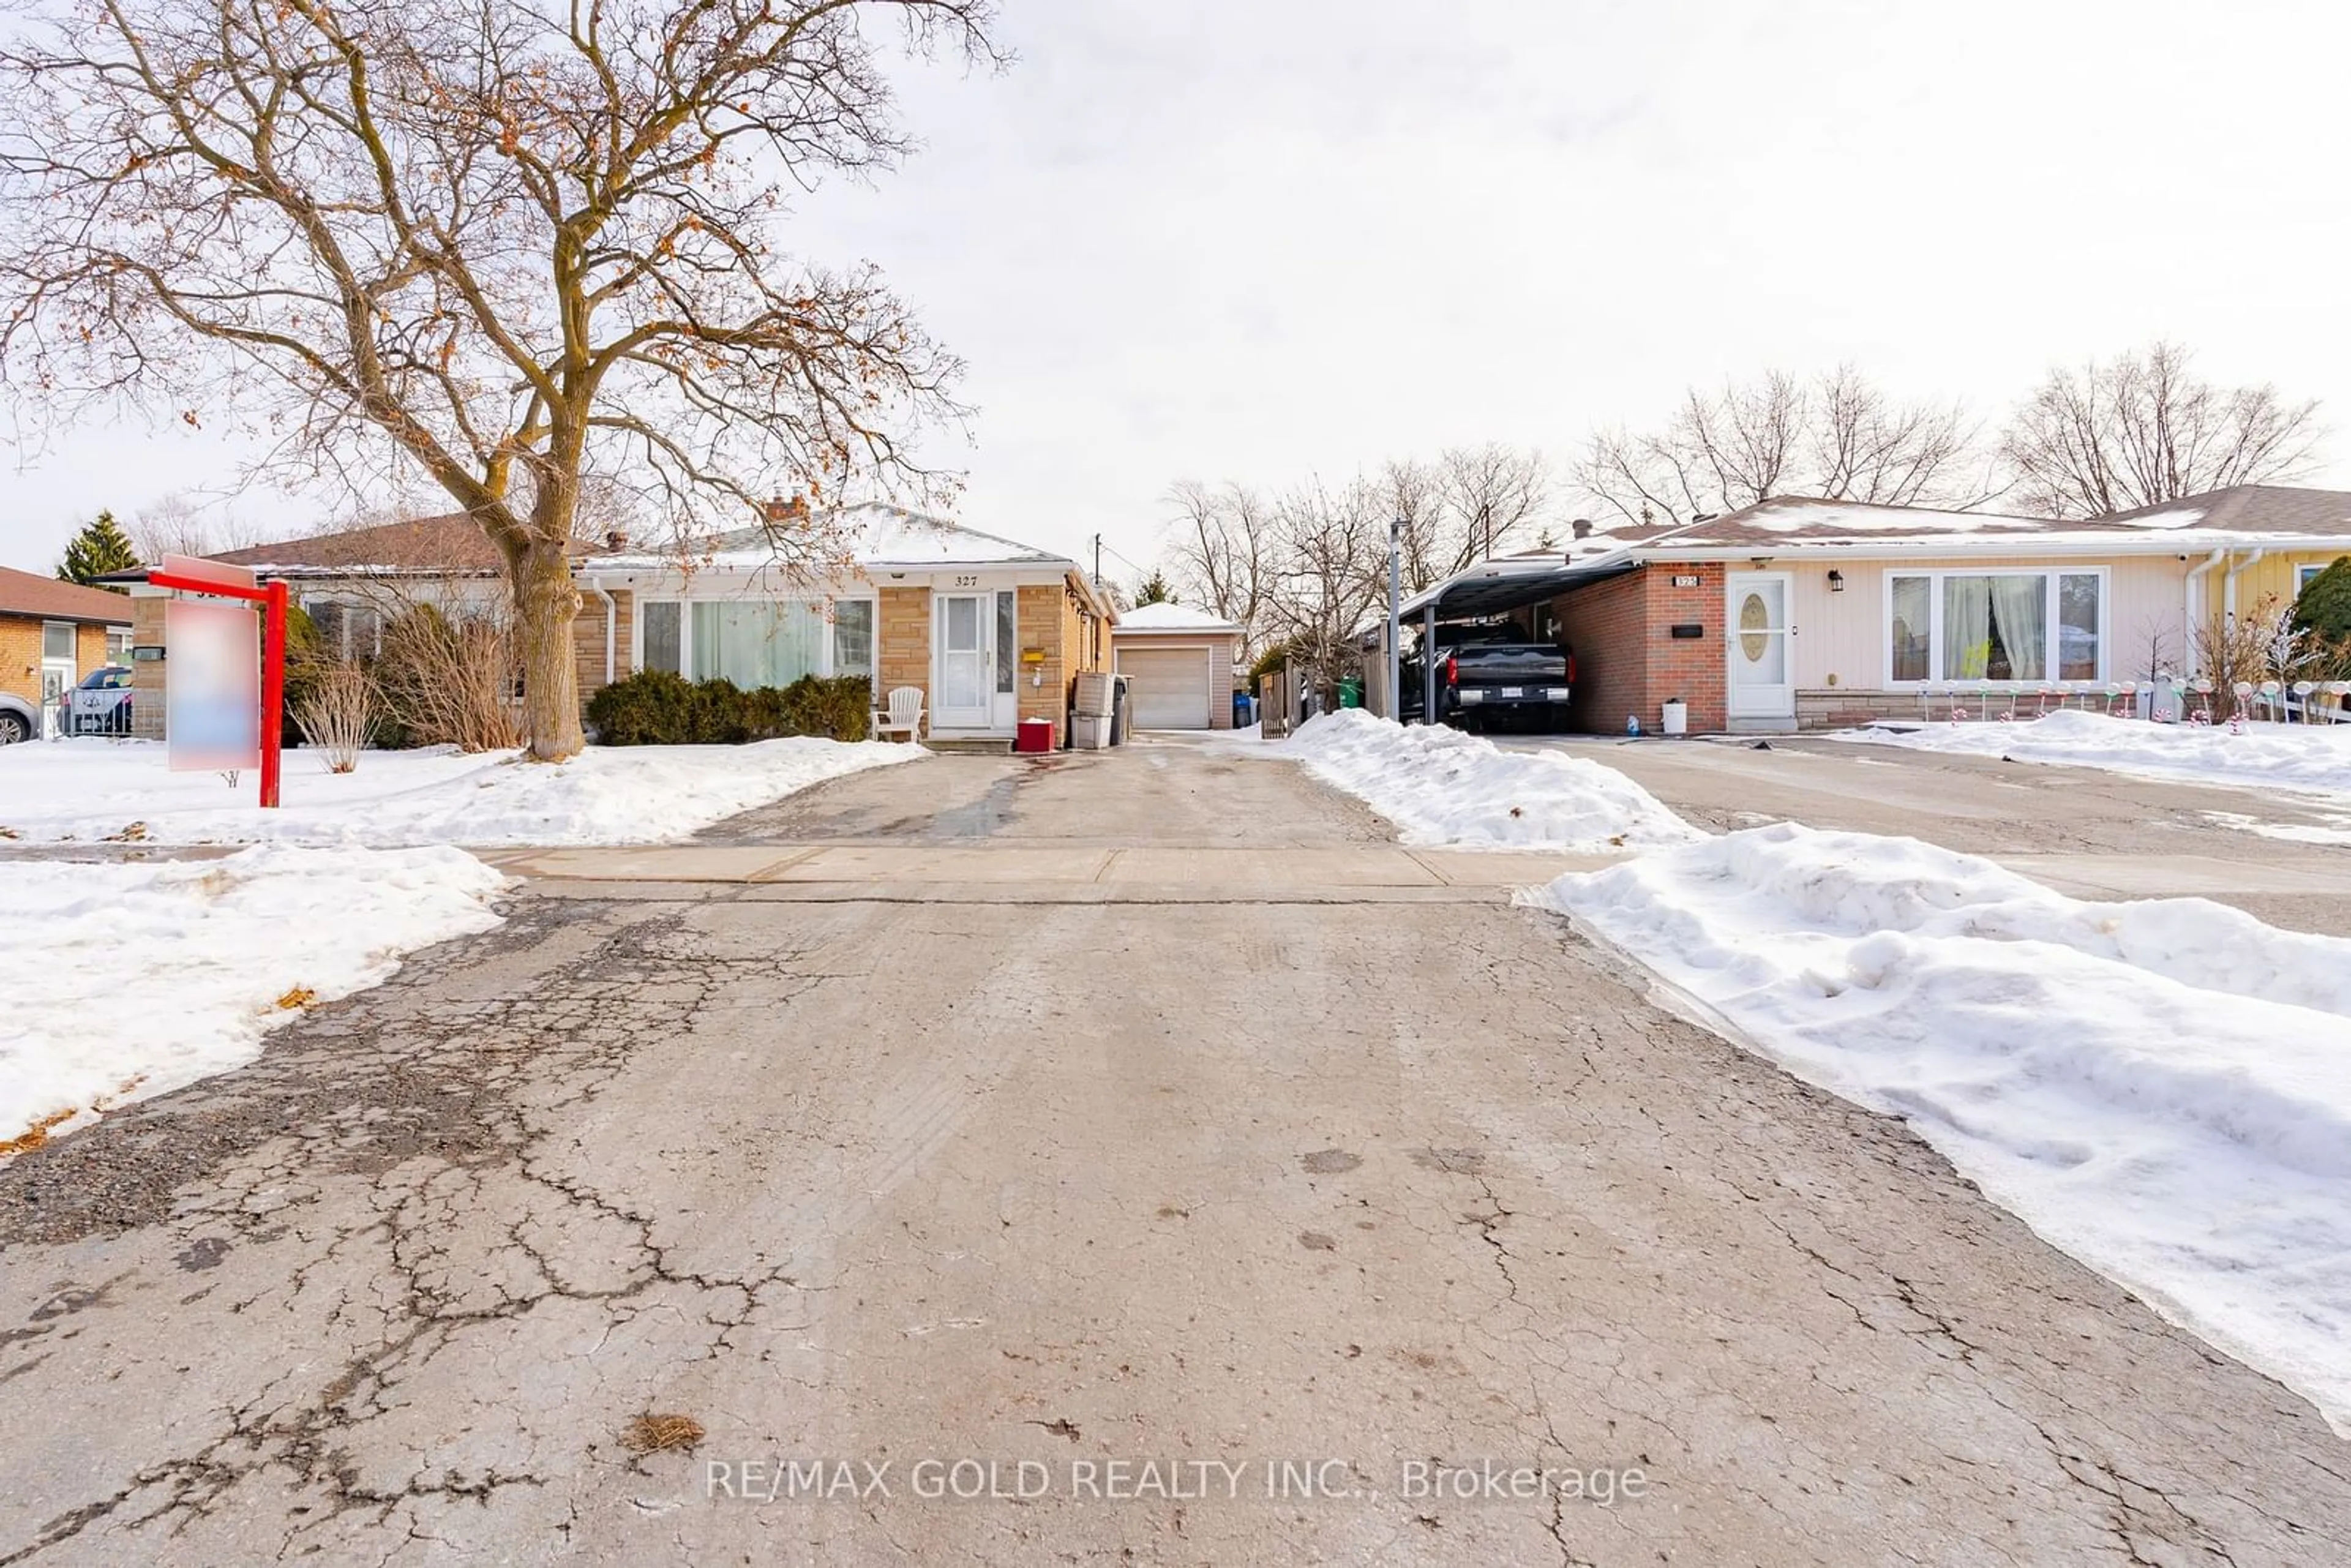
{"type": "Point", "coordinates": [1178, 665]}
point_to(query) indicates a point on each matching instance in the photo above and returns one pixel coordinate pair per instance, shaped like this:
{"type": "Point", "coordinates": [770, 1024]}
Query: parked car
{"type": "Point", "coordinates": [100, 704]}
{"type": "Point", "coordinates": [19, 720]}
{"type": "Point", "coordinates": [1493, 679]}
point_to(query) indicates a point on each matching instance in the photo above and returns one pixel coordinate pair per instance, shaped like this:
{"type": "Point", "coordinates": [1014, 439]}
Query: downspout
{"type": "Point", "coordinates": [2228, 584]}
{"type": "Point", "coordinates": [2192, 605]}
{"type": "Point", "coordinates": [611, 623]}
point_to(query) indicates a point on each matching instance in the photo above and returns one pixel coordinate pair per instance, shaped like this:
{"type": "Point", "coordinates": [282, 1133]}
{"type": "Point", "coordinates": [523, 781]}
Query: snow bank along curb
{"type": "Point", "coordinates": [1439, 786]}
{"type": "Point", "coordinates": [89, 789]}
{"type": "Point", "coordinates": [153, 976]}
{"type": "Point", "coordinates": [2160, 1088]}
{"type": "Point", "coordinates": [2306, 758]}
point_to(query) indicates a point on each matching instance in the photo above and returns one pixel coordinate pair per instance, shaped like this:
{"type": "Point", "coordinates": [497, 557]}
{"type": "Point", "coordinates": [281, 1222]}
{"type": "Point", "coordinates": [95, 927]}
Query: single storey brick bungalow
{"type": "Point", "coordinates": [990, 632]}
{"type": "Point", "coordinates": [1806, 614]}
{"type": "Point", "coordinates": [53, 633]}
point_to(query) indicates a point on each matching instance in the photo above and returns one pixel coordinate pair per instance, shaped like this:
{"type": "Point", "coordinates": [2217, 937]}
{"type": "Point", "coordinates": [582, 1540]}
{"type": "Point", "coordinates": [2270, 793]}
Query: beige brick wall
{"type": "Point", "coordinates": [89, 648]}
{"type": "Point", "coordinates": [1050, 617]}
{"type": "Point", "coordinates": [147, 679]}
{"type": "Point", "coordinates": [903, 644]}
{"type": "Point", "coordinates": [20, 657]}
{"type": "Point", "coordinates": [588, 638]}
{"type": "Point", "coordinates": [20, 654]}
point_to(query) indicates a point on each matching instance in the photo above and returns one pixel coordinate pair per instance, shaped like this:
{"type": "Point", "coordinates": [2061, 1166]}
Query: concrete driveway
{"type": "Point", "coordinates": [1322, 1221]}
{"type": "Point", "coordinates": [2091, 833]}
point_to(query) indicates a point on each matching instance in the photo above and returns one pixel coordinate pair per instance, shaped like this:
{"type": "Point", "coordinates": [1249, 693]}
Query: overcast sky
{"type": "Point", "coordinates": [1263, 239]}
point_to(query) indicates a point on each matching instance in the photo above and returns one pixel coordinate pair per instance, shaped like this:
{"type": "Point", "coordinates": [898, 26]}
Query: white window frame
{"type": "Point", "coordinates": [1935, 576]}
{"type": "Point", "coordinates": [686, 601]}
{"type": "Point", "coordinates": [2303, 571]}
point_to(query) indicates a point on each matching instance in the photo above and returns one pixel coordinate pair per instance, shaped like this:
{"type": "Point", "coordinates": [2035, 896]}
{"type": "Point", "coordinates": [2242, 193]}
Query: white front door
{"type": "Point", "coordinates": [1762, 679]}
{"type": "Point", "coordinates": [965, 640]}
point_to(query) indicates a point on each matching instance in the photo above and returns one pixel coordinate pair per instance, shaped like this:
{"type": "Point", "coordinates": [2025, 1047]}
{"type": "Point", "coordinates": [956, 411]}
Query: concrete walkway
{"type": "Point", "coordinates": [1396, 1227]}
{"type": "Point", "coordinates": [1066, 872]}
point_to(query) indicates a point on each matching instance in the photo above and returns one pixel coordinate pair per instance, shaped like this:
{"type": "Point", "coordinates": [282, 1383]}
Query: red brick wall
{"type": "Point", "coordinates": [1603, 623]}
{"type": "Point", "coordinates": [1627, 660]}
{"type": "Point", "coordinates": [1693, 668]}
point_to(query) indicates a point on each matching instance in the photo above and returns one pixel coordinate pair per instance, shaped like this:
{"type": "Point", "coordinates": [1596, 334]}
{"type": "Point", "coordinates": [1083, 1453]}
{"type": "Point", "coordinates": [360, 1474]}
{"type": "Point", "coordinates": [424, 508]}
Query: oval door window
{"type": "Point", "coordinates": [1754, 621]}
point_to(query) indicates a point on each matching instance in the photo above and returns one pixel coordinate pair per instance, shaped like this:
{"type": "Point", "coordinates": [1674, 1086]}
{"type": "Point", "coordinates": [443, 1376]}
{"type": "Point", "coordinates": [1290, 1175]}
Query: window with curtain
{"type": "Point", "coordinates": [758, 643]}
{"type": "Point", "coordinates": [853, 637]}
{"type": "Point", "coordinates": [56, 640]}
{"type": "Point", "coordinates": [660, 621]}
{"type": "Point", "coordinates": [1996, 626]}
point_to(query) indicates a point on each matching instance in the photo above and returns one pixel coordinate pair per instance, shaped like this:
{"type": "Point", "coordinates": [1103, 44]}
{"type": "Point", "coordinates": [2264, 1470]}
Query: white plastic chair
{"type": "Point", "coordinates": [902, 713]}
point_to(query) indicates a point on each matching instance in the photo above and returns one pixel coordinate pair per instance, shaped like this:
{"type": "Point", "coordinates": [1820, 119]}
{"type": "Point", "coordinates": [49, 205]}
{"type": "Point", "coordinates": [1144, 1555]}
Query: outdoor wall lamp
{"type": "Point", "coordinates": [1836, 580]}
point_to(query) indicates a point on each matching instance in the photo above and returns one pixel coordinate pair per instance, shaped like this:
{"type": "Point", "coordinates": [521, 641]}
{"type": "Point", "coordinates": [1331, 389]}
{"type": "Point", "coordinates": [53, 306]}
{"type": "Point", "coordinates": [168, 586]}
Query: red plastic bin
{"type": "Point", "coordinates": [1036, 735]}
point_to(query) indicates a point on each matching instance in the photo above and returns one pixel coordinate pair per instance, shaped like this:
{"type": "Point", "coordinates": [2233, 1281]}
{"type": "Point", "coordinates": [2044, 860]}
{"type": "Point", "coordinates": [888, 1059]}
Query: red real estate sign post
{"type": "Point", "coordinates": [193, 574]}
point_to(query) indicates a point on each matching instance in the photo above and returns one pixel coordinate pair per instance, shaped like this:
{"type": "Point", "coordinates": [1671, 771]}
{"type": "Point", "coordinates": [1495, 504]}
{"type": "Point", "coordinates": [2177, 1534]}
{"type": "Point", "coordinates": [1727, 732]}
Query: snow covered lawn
{"type": "Point", "coordinates": [88, 790]}
{"type": "Point", "coordinates": [142, 979]}
{"type": "Point", "coordinates": [1442, 786]}
{"type": "Point", "coordinates": [2313, 759]}
{"type": "Point", "coordinates": [2162, 1088]}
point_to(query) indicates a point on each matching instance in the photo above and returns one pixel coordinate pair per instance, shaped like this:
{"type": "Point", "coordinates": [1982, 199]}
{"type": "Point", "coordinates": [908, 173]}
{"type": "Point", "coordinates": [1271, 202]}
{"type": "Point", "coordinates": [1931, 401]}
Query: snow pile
{"type": "Point", "coordinates": [1442, 786]}
{"type": "Point", "coordinates": [88, 790]}
{"type": "Point", "coordinates": [2313, 757]}
{"type": "Point", "coordinates": [145, 977]}
{"type": "Point", "coordinates": [2162, 1088]}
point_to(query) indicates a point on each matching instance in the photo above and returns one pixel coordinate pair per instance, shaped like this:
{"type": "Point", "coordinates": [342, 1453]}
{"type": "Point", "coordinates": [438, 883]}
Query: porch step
{"type": "Point", "coordinates": [971, 746]}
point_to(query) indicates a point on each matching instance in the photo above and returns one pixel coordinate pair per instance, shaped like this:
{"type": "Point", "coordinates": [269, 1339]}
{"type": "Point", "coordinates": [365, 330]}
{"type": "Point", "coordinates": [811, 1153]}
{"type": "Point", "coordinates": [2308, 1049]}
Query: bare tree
{"type": "Point", "coordinates": [1471, 502]}
{"type": "Point", "coordinates": [1492, 492]}
{"type": "Point", "coordinates": [1220, 551]}
{"type": "Point", "coordinates": [1412, 494]}
{"type": "Point", "coordinates": [1864, 446]}
{"type": "Point", "coordinates": [2143, 429]}
{"type": "Point", "coordinates": [1331, 554]}
{"type": "Point", "coordinates": [1839, 437]}
{"type": "Point", "coordinates": [176, 524]}
{"type": "Point", "coordinates": [503, 244]}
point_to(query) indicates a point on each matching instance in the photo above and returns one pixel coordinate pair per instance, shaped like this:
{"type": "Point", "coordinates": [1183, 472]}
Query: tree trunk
{"type": "Point", "coordinates": [546, 600]}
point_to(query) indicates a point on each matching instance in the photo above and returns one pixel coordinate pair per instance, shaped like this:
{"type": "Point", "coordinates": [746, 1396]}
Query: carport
{"type": "Point", "coordinates": [1487, 590]}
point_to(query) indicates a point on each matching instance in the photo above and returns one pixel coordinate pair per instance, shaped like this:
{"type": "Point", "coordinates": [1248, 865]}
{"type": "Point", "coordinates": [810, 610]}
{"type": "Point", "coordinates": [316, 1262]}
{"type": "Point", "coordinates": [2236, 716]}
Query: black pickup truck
{"type": "Point", "coordinates": [1493, 681]}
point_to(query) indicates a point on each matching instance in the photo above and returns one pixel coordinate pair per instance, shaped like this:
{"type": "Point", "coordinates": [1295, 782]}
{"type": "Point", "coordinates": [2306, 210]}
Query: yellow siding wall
{"type": "Point", "coordinates": [2274, 574]}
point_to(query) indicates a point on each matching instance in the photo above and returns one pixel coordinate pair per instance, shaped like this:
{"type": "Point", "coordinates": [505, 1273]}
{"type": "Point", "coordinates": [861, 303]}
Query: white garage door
{"type": "Point", "coordinates": [1169, 687]}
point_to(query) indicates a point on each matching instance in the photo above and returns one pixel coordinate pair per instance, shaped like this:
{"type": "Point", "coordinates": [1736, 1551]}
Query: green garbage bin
{"type": "Point", "coordinates": [1350, 690]}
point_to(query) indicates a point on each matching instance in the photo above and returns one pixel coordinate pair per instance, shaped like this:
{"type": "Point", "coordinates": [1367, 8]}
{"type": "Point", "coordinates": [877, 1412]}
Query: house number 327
{"type": "Point", "coordinates": [967, 582]}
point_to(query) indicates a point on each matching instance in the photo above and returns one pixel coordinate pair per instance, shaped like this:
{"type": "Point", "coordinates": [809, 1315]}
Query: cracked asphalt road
{"type": "Point", "coordinates": [990, 1178]}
